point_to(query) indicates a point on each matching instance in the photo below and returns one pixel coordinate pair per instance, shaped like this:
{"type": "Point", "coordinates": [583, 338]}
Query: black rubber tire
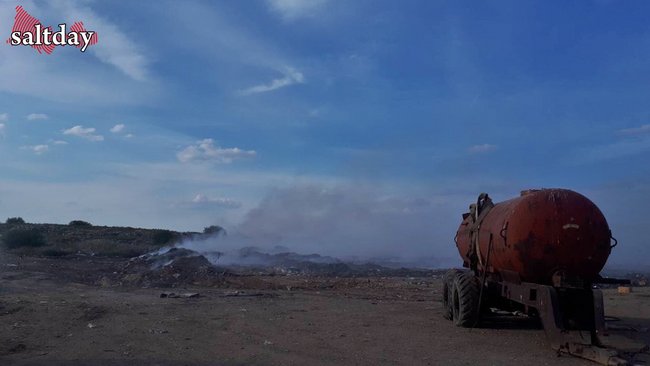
{"type": "Point", "coordinates": [464, 300]}
{"type": "Point", "coordinates": [447, 293]}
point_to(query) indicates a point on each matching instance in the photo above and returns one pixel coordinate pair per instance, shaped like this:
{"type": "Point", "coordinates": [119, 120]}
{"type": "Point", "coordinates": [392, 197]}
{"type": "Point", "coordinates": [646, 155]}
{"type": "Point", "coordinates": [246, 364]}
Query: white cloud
{"type": "Point", "coordinates": [86, 133]}
{"type": "Point", "coordinates": [4, 117]}
{"type": "Point", "coordinates": [129, 135]}
{"type": "Point", "coordinates": [636, 130]}
{"type": "Point", "coordinates": [59, 142]}
{"type": "Point", "coordinates": [118, 128]}
{"type": "Point", "coordinates": [294, 9]}
{"type": "Point", "coordinates": [2, 129]}
{"type": "Point", "coordinates": [37, 149]}
{"type": "Point", "coordinates": [206, 150]}
{"type": "Point", "coordinates": [291, 77]}
{"type": "Point", "coordinates": [36, 116]}
{"type": "Point", "coordinates": [482, 149]}
{"type": "Point", "coordinates": [201, 200]}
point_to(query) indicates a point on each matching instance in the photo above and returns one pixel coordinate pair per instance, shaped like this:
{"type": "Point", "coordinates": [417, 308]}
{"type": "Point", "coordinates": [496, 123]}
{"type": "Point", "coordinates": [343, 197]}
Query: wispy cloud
{"type": "Point", "coordinates": [641, 130]}
{"type": "Point", "coordinates": [482, 148]}
{"type": "Point", "coordinates": [59, 142]}
{"type": "Point", "coordinates": [4, 117]}
{"type": "Point", "coordinates": [118, 128]}
{"type": "Point", "coordinates": [114, 46]}
{"type": "Point", "coordinates": [203, 201]}
{"type": "Point", "coordinates": [86, 133]}
{"type": "Point", "coordinates": [2, 129]}
{"type": "Point", "coordinates": [205, 150]}
{"type": "Point", "coordinates": [37, 149]}
{"type": "Point", "coordinates": [294, 9]}
{"type": "Point", "coordinates": [614, 150]}
{"type": "Point", "coordinates": [36, 116]}
{"type": "Point", "coordinates": [631, 141]}
{"type": "Point", "coordinates": [291, 77]}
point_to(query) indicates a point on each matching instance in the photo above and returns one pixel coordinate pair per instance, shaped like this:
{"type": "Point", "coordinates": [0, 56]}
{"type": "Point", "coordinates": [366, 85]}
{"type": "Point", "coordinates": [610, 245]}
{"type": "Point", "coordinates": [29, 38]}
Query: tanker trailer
{"type": "Point", "coordinates": [540, 253]}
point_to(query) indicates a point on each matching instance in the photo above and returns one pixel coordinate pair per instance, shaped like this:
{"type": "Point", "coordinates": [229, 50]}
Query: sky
{"type": "Point", "coordinates": [360, 128]}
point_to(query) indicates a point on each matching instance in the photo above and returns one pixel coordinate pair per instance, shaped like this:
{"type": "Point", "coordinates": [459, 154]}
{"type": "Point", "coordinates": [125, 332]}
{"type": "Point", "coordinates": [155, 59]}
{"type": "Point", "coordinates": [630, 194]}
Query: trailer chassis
{"type": "Point", "coordinates": [572, 315]}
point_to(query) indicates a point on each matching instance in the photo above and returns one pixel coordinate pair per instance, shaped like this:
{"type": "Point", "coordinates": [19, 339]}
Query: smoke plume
{"type": "Point", "coordinates": [350, 223]}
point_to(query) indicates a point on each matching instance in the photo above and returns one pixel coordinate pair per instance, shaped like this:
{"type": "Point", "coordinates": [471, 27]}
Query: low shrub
{"type": "Point", "coordinates": [80, 223]}
{"type": "Point", "coordinates": [15, 221]}
{"type": "Point", "coordinates": [214, 230]}
{"type": "Point", "coordinates": [18, 238]}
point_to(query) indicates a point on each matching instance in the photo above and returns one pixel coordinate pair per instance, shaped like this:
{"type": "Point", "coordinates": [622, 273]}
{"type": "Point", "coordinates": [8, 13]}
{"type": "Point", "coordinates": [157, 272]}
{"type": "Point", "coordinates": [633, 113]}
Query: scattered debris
{"type": "Point", "coordinates": [627, 328]}
{"type": "Point", "coordinates": [20, 347]}
{"type": "Point", "coordinates": [12, 310]}
{"type": "Point", "coordinates": [105, 282]}
{"type": "Point", "coordinates": [158, 331]}
{"type": "Point", "coordinates": [246, 294]}
{"type": "Point", "coordinates": [92, 312]}
{"type": "Point", "coordinates": [185, 295]}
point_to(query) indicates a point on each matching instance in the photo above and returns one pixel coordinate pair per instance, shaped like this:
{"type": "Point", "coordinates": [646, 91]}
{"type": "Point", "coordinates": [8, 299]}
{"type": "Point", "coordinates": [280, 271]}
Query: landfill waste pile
{"type": "Point", "coordinates": [176, 266]}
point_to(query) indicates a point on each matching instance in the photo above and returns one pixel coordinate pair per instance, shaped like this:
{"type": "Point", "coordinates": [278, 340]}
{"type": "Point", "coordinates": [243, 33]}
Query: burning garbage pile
{"type": "Point", "coordinates": [177, 266]}
{"type": "Point", "coordinates": [172, 267]}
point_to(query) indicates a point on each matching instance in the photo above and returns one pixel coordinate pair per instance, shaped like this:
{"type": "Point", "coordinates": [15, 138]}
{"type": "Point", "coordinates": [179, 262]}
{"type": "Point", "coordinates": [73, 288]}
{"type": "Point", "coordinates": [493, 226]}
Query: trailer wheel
{"type": "Point", "coordinates": [464, 300]}
{"type": "Point", "coordinates": [447, 293]}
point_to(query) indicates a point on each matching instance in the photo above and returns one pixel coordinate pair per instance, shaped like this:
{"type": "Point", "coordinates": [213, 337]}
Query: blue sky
{"type": "Point", "coordinates": [272, 117]}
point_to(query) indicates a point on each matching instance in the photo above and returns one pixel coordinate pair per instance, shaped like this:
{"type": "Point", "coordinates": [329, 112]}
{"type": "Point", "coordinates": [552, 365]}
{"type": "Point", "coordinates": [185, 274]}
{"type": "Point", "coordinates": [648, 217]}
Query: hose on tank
{"type": "Point", "coordinates": [483, 279]}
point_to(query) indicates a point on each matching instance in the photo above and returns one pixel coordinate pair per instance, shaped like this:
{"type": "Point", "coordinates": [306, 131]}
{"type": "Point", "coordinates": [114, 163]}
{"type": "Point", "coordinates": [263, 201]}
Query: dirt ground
{"type": "Point", "coordinates": [54, 312]}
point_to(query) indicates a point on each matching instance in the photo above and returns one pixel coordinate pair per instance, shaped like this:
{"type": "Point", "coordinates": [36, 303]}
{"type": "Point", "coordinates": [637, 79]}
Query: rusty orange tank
{"type": "Point", "coordinates": [537, 235]}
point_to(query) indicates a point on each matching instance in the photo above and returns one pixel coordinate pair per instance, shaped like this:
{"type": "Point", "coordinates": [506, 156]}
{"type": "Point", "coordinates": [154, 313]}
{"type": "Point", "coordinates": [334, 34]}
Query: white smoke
{"type": "Point", "coordinates": [350, 223]}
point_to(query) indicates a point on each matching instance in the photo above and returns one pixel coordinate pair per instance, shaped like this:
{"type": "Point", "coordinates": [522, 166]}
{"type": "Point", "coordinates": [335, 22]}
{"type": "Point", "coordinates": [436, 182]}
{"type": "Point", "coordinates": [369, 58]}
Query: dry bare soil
{"type": "Point", "coordinates": [55, 312]}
